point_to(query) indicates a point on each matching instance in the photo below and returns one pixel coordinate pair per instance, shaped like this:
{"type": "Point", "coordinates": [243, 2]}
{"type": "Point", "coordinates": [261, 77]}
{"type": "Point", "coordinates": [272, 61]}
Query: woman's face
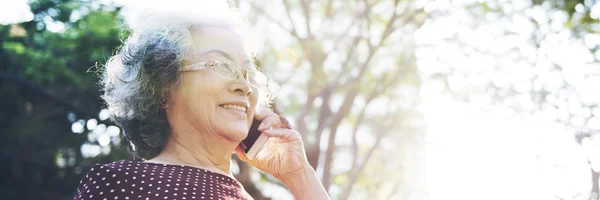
{"type": "Point", "coordinates": [208, 103]}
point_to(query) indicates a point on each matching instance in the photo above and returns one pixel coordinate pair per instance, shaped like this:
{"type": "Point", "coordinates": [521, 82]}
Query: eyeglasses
{"type": "Point", "coordinates": [229, 70]}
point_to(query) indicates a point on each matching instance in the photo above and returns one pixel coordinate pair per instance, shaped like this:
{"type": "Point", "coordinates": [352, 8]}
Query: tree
{"type": "Point", "coordinates": [45, 83]}
{"type": "Point", "coordinates": [347, 63]}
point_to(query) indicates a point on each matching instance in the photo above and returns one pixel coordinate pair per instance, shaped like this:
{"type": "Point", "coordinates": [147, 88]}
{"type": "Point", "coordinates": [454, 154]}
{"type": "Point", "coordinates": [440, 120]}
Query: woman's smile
{"type": "Point", "coordinates": [236, 110]}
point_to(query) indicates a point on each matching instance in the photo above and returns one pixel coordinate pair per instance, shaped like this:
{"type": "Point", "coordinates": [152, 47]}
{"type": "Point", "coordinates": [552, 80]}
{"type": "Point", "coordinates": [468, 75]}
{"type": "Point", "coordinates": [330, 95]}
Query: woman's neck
{"type": "Point", "coordinates": [213, 156]}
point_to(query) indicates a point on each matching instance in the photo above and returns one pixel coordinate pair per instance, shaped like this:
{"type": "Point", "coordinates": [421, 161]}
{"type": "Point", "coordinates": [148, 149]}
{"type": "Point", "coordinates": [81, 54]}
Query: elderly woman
{"type": "Point", "coordinates": [185, 92]}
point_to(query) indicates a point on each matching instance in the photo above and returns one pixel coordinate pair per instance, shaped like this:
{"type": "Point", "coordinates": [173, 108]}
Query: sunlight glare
{"type": "Point", "coordinates": [15, 11]}
{"type": "Point", "coordinates": [91, 124]}
{"type": "Point", "coordinates": [103, 140]}
{"type": "Point", "coordinates": [104, 114]}
{"type": "Point", "coordinates": [77, 127]}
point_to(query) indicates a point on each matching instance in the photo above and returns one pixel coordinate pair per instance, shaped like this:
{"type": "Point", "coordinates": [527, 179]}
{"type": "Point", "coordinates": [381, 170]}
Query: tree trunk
{"type": "Point", "coordinates": [244, 177]}
{"type": "Point", "coordinates": [595, 186]}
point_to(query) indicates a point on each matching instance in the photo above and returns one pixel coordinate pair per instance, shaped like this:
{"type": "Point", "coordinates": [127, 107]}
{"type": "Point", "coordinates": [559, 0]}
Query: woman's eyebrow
{"type": "Point", "coordinates": [224, 54]}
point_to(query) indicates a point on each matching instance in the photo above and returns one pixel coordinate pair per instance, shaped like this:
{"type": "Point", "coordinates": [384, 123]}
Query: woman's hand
{"type": "Point", "coordinates": [283, 154]}
{"type": "Point", "coordinates": [283, 157]}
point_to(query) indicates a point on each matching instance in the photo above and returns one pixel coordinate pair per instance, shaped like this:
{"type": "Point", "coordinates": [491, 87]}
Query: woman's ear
{"type": "Point", "coordinates": [163, 103]}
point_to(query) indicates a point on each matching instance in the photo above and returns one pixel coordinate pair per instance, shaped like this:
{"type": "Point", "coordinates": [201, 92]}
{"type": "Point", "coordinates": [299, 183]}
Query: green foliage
{"type": "Point", "coordinates": [44, 77]}
{"type": "Point", "coordinates": [579, 14]}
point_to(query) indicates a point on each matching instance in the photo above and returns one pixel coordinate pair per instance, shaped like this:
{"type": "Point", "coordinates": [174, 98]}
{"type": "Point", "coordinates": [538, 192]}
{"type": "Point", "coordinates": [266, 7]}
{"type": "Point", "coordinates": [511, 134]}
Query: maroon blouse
{"type": "Point", "coordinates": [141, 180]}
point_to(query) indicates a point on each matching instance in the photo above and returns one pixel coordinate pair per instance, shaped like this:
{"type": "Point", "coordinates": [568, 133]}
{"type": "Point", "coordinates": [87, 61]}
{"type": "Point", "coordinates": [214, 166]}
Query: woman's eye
{"type": "Point", "coordinates": [221, 64]}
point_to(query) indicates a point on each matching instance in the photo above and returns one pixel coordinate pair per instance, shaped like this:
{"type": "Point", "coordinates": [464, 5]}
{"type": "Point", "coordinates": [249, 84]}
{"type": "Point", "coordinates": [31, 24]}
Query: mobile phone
{"type": "Point", "coordinates": [254, 141]}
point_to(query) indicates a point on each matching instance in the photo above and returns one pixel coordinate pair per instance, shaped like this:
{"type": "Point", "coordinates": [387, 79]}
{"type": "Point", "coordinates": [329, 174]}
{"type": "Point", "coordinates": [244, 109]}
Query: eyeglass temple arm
{"type": "Point", "coordinates": [195, 66]}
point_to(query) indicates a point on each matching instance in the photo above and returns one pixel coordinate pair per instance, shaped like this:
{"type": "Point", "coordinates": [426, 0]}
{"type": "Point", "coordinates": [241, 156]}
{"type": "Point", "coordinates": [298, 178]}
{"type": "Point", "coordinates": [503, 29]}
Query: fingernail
{"type": "Point", "coordinates": [261, 126]}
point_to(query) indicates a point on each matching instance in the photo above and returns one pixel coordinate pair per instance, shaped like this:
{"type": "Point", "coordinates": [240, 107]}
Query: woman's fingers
{"type": "Point", "coordinates": [264, 114]}
{"type": "Point", "coordinates": [269, 120]}
{"type": "Point", "coordinates": [283, 133]}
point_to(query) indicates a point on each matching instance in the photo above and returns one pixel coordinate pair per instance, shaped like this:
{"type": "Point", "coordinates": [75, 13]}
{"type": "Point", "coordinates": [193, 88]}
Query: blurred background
{"type": "Point", "coordinates": [395, 99]}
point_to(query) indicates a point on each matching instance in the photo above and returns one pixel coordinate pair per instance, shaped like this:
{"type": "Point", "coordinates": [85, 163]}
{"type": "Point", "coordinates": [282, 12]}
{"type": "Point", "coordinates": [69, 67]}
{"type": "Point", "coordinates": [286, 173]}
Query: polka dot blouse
{"type": "Point", "coordinates": [141, 180]}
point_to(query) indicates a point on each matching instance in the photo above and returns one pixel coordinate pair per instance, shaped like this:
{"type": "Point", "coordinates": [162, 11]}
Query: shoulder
{"type": "Point", "coordinates": [109, 180]}
{"type": "Point", "coordinates": [141, 180]}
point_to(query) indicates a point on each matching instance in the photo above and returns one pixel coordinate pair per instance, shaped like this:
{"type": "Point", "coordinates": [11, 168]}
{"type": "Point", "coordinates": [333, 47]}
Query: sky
{"type": "Point", "coordinates": [14, 11]}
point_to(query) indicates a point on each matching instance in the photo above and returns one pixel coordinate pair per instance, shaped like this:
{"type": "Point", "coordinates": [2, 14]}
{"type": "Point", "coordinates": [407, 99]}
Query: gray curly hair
{"type": "Point", "coordinates": [146, 69]}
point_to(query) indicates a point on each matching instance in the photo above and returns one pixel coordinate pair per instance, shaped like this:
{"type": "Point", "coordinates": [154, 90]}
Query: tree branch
{"type": "Point", "coordinates": [294, 70]}
{"type": "Point", "coordinates": [261, 11]}
{"type": "Point", "coordinates": [395, 190]}
{"type": "Point", "coordinates": [244, 177]}
{"type": "Point", "coordinates": [328, 8]}
{"type": "Point", "coordinates": [288, 12]}
{"type": "Point", "coordinates": [357, 170]}
{"type": "Point", "coordinates": [374, 93]}
{"type": "Point", "coordinates": [335, 121]}
{"type": "Point", "coordinates": [38, 89]}
{"type": "Point", "coordinates": [305, 4]}
{"type": "Point", "coordinates": [349, 100]}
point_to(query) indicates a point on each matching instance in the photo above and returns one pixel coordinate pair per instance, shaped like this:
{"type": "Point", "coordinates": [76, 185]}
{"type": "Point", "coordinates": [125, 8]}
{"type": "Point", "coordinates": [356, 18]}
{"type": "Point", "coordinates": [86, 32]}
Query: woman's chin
{"type": "Point", "coordinates": [235, 134]}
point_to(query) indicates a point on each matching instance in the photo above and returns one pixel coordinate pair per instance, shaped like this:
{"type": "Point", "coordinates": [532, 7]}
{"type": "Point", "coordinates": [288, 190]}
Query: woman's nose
{"type": "Point", "coordinates": [241, 86]}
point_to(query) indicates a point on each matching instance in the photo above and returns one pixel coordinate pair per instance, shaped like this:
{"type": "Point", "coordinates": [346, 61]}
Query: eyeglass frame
{"type": "Point", "coordinates": [213, 64]}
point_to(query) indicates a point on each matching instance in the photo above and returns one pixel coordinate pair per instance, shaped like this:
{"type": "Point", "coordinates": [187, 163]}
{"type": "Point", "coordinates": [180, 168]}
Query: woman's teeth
{"type": "Point", "coordinates": [235, 107]}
